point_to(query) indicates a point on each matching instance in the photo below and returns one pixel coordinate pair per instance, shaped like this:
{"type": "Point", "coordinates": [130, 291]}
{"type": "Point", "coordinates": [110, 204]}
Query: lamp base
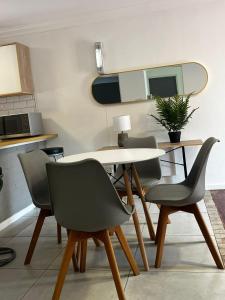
{"type": "Point", "coordinates": [121, 138]}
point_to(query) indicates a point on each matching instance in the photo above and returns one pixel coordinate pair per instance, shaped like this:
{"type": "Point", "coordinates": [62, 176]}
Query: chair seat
{"type": "Point", "coordinates": [146, 184]}
{"type": "Point", "coordinates": [169, 194]}
{"type": "Point", "coordinates": [43, 203]}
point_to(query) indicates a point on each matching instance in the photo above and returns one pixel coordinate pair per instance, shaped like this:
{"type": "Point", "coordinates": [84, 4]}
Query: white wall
{"type": "Point", "coordinates": [194, 77]}
{"type": "Point", "coordinates": [63, 66]}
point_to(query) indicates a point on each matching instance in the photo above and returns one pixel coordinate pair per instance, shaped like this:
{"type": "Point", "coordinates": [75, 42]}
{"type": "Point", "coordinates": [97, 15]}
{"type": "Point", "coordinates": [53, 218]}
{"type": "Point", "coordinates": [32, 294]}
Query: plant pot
{"type": "Point", "coordinates": [174, 136]}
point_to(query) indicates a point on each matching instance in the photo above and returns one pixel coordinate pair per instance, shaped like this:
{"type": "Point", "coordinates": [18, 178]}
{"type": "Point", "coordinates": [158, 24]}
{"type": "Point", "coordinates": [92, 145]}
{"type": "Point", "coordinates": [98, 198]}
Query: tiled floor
{"type": "Point", "coordinates": [187, 272]}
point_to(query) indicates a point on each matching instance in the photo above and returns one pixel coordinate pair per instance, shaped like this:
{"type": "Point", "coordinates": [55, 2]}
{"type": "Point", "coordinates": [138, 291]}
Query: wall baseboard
{"type": "Point", "coordinates": [215, 187]}
{"type": "Point", "coordinates": [16, 216]}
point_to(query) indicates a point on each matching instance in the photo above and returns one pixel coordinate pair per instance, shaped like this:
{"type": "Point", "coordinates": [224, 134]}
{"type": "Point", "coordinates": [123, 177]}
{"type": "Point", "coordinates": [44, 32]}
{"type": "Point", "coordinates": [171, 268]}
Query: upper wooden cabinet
{"type": "Point", "coordinates": [15, 70]}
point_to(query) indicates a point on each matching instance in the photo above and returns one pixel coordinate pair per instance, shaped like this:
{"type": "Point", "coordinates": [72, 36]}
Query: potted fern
{"type": "Point", "coordinates": [173, 114]}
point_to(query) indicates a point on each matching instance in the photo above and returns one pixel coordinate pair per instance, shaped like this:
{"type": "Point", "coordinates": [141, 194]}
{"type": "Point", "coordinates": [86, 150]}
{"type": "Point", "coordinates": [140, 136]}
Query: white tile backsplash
{"type": "Point", "coordinates": [17, 104]}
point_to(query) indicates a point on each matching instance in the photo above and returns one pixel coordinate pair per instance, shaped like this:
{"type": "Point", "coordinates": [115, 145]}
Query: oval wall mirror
{"type": "Point", "coordinates": [144, 84]}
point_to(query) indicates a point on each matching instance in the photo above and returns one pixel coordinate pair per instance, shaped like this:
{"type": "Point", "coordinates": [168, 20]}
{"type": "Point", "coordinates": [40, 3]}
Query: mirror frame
{"type": "Point", "coordinates": [144, 68]}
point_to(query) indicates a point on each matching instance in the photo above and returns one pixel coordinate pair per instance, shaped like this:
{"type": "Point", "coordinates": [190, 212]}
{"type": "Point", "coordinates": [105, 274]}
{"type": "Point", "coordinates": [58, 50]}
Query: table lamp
{"type": "Point", "coordinates": [121, 124]}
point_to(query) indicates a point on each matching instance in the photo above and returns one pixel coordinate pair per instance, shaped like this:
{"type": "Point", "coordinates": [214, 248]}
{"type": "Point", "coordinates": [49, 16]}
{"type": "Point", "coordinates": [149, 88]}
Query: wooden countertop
{"type": "Point", "coordinates": [166, 145]}
{"type": "Point", "coordinates": [9, 143]}
{"type": "Point", "coordinates": [188, 143]}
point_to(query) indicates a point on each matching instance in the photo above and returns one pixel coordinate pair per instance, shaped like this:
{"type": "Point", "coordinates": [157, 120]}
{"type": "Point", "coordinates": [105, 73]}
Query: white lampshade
{"type": "Point", "coordinates": [121, 123]}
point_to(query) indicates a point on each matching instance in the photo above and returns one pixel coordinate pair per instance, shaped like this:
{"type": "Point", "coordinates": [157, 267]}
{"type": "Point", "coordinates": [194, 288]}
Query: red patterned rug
{"type": "Point", "coordinates": [218, 197]}
{"type": "Point", "coordinates": [215, 204]}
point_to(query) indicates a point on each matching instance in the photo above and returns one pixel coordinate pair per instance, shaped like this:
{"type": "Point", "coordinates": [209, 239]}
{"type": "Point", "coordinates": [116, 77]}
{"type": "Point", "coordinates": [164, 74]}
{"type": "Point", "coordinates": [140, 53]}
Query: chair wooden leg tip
{"type": "Point", "coordinates": [153, 238]}
{"type": "Point", "coordinates": [82, 271]}
{"type": "Point", "coordinates": [221, 266]}
{"type": "Point", "coordinates": [137, 273]}
{"type": "Point", "coordinates": [157, 266]}
{"type": "Point", "coordinates": [27, 261]}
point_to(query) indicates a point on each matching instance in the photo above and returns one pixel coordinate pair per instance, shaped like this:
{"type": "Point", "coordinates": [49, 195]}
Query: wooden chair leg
{"type": "Point", "coordinates": [75, 263]}
{"type": "Point", "coordinates": [111, 232]}
{"type": "Point", "coordinates": [42, 215]}
{"type": "Point", "coordinates": [127, 250]}
{"type": "Point", "coordinates": [145, 208]}
{"type": "Point", "coordinates": [148, 220]}
{"type": "Point", "coordinates": [168, 222]}
{"type": "Point", "coordinates": [136, 220]}
{"type": "Point", "coordinates": [59, 234]}
{"type": "Point", "coordinates": [97, 242]}
{"type": "Point", "coordinates": [74, 260]}
{"type": "Point", "coordinates": [207, 237]}
{"type": "Point", "coordinates": [83, 256]}
{"type": "Point", "coordinates": [158, 231]}
{"type": "Point", "coordinates": [161, 236]}
{"type": "Point", "coordinates": [113, 264]}
{"type": "Point", "coordinates": [64, 265]}
{"type": "Point", "coordinates": [78, 252]}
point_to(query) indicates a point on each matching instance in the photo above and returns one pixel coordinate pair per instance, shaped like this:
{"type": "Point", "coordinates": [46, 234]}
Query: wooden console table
{"type": "Point", "coordinates": [169, 147]}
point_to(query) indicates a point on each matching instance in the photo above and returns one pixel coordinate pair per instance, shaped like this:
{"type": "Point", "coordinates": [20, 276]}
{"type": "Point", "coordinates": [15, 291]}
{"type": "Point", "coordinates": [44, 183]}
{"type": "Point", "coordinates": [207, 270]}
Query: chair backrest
{"type": "Point", "coordinates": [1, 180]}
{"type": "Point", "coordinates": [83, 197]}
{"type": "Point", "coordinates": [34, 167]}
{"type": "Point", "coordinates": [196, 177]}
{"type": "Point", "coordinates": [146, 169]}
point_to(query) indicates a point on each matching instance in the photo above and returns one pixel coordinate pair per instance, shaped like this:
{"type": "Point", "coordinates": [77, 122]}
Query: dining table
{"type": "Point", "coordinates": [126, 158]}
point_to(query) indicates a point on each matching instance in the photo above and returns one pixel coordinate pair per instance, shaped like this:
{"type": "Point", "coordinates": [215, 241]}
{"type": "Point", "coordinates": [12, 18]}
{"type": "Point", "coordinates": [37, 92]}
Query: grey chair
{"type": "Point", "coordinates": [149, 173]}
{"type": "Point", "coordinates": [184, 197]}
{"type": "Point", "coordinates": [34, 167]}
{"type": "Point", "coordinates": [87, 205]}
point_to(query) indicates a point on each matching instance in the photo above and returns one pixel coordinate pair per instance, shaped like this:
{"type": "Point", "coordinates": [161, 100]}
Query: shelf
{"type": "Point", "coordinates": [9, 143]}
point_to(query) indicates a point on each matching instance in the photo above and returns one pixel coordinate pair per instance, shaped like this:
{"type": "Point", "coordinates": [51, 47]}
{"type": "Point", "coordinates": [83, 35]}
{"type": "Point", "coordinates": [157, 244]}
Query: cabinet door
{"type": "Point", "coordinates": [9, 70]}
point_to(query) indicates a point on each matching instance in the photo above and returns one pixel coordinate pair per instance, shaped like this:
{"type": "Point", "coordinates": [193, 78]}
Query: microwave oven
{"type": "Point", "coordinates": [21, 125]}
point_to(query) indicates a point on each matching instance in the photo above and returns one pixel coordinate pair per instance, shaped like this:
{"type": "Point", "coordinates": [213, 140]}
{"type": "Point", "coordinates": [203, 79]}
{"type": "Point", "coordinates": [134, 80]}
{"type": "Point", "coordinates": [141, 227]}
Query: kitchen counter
{"type": "Point", "coordinates": [9, 143]}
{"type": "Point", "coordinates": [15, 198]}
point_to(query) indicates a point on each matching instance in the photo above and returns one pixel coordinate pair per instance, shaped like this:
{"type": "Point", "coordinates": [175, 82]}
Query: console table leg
{"type": "Point", "coordinates": [184, 161]}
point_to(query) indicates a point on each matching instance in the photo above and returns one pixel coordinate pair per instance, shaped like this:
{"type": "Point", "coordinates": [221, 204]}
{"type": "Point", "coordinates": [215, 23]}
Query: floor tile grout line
{"type": "Point", "coordinates": [44, 271]}
{"type": "Point", "coordinates": [135, 253]}
{"type": "Point", "coordinates": [27, 291]}
{"type": "Point", "coordinates": [209, 203]}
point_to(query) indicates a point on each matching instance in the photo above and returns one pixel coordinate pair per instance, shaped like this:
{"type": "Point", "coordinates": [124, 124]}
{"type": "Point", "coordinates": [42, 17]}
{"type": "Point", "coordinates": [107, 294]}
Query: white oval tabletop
{"type": "Point", "coordinates": [116, 156]}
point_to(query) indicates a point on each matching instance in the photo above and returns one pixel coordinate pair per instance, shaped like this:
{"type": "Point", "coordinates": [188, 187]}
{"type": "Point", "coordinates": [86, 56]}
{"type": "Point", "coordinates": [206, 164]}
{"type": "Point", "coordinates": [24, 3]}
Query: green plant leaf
{"type": "Point", "coordinates": [173, 111]}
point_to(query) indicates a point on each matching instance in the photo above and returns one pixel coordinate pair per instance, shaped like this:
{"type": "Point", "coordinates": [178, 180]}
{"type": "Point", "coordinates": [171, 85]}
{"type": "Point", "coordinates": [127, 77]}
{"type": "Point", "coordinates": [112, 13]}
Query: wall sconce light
{"type": "Point", "coordinates": [99, 57]}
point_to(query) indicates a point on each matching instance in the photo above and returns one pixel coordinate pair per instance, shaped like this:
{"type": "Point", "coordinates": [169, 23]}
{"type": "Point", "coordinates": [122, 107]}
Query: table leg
{"type": "Point", "coordinates": [184, 162]}
{"type": "Point", "coordinates": [135, 219]}
{"type": "Point", "coordinates": [140, 193]}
